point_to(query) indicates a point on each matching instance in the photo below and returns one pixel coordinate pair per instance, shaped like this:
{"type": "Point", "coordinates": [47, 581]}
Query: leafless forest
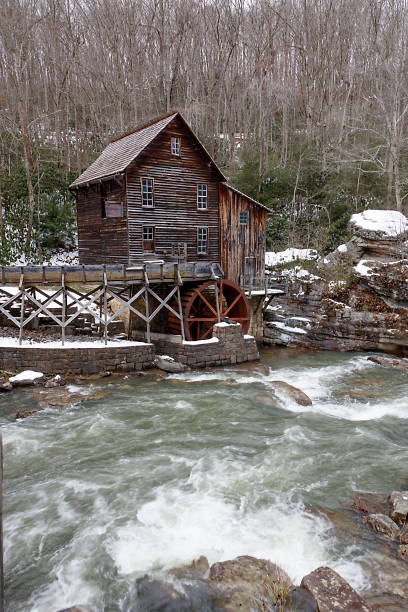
{"type": "Point", "coordinates": [274, 84]}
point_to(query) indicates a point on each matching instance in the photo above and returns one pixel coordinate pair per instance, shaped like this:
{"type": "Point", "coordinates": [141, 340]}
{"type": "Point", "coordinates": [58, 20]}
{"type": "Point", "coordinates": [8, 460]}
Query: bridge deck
{"type": "Point", "coordinates": [148, 272]}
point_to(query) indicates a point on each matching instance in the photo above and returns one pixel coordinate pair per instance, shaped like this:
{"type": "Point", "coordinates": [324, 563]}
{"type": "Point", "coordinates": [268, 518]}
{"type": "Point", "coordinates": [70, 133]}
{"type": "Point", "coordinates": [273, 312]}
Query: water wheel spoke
{"type": "Point", "coordinates": [206, 302]}
{"type": "Point", "coordinates": [239, 297]}
{"type": "Point", "coordinates": [202, 319]}
{"type": "Point", "coordinates": [203, 337]}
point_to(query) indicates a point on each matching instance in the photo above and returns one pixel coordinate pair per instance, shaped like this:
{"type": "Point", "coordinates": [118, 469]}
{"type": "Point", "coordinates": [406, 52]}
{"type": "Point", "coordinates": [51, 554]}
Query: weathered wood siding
{"type": "Point", "coordinates": [242, 246]}
{"type": "Point", "coordinates": [174, 214]}
{"type": "Point", "coordinates": [101, 240]}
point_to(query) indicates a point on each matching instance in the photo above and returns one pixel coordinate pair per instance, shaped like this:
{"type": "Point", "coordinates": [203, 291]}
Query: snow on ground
{"type": "Point", "coordinates": [9, 341]}
{"type": "Point", "coordinates": [390, 223]}
{"type": "Point", "coordinates": [342, 248]}
{"type": "Point", "coordinates": [60, 258]}
{"type": "Point", "coordinates": [273, 258]}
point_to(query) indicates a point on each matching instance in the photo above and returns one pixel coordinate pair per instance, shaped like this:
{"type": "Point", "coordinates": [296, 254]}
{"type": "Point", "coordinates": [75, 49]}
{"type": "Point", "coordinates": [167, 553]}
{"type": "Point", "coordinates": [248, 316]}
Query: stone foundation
{"type": "Point", "coordinates": [67, 360]}
{"type": "Point", "coordinates": [228, 346]}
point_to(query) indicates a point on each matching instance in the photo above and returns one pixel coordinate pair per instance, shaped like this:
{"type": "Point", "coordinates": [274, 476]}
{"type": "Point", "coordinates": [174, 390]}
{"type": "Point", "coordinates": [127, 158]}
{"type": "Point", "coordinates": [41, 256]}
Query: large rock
{"type": "Point", "coordinates": [28, 378]}
{"type": "Point", "coordinates": [332, 593]}
{"type": "Point", "coordinates": [369, 503]}
{"type": "Point", "coordinates": [292, 392]}
{"type": "Point", "coordinates": [158, 596]}
{"type": "Point", "coordinates": [402, 552]}
{"type": "Point", "coordinates": [399, 505]}
{"type": "Point", "coordinates": [388, 362]}
{"type": "Point", "coordinates": [247, 583]}
{"type": "Point", "coordinates": [355, 299]}
{"type": "Point", "coordinates": [168, 364]}
{"type": "Point", "coordinates": [381, 523]}
{"type": "Point", "coordinates": [403, 535]}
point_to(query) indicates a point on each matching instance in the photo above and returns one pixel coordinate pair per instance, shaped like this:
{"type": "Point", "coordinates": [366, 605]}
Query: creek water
{"type": "Point", "coordinates": [149, 475]}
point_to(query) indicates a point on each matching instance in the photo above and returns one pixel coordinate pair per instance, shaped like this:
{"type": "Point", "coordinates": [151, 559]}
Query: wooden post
{"type": "Point", "coordinates": [105, 307]}
{"type": "Point", "coordinates": [20, 336]}
{"type": "Point", "coordinates": [183, 335]}
{"type": "Point", "coordinates": [147, 313]}
{"type": "Point", "coordinates": [64, 305]}
{"type": "Point", "coordinates": [1, 528]}
{"type": "Point", "coordinates": [217, 302]}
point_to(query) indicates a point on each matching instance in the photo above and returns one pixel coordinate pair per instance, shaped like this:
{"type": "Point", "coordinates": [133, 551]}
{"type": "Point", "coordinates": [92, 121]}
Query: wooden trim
{"type": "Point", "coordinates": [206, 196]}
{"type": "Point", "coordinates": [150, 178]}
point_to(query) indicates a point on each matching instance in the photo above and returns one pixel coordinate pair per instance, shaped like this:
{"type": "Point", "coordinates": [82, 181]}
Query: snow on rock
{"type": "Point", "coordinates": [273, 258]}
{"type": "Point", "coordinates": [27, 378]}
{"type": "Point", "coordinates": [342, 248]}
{"type": "Point", "coordinates": [363, 269]}
{"type": "Point", "coordinates": [168, 364]}
{"type": "Point", "coordinates": [380, 224]}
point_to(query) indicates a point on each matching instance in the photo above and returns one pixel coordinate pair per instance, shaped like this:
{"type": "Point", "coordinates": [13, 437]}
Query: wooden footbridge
{"type": "Point", "coordinates": [63, 294]}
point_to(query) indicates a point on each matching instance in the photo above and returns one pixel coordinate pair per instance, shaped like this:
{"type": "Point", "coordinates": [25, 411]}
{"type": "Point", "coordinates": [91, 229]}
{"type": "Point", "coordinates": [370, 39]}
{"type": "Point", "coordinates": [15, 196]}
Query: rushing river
{"type": "Point", "coordinates": [156, 473]}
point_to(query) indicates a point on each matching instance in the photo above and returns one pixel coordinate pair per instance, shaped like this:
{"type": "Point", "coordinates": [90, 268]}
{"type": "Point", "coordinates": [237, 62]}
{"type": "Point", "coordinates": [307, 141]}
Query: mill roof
{"type": "Point", "coordinates": [121, 151]}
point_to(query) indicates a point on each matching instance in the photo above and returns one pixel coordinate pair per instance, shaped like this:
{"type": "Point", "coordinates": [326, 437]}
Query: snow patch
{"type": "Point", "coordinates": [285, 328]}
{"type": "Point", "coordinates": [10, 342]}
{"type": "Point", "coordinates": [273, 258]}
{"type": "Point", "coordinates": [363, 269]}
{"type": "Point", "coordinates": [26, 375]}
{"type": "Point", "coordinates": [390, 223]}
{"type": "Point", "coordinates": [342, 248]}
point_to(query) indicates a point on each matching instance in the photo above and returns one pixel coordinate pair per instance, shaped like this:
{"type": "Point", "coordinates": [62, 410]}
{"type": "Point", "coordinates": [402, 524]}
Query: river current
{"type": "Point", "coordinates": [149, 475]}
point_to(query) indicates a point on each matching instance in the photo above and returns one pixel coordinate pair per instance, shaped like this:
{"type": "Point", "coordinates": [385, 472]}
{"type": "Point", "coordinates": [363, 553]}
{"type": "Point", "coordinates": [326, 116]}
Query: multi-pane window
{"type": "Point", "coordinates": [243, 218]}
{"type": "Point", "coordinates": [175, 145]}
{"type": "Point", "coordinates": [202, 196]}
{"type": "Point", "coordinates": [147, 192]}
{"type": "Point", "coordinates": [202, 239]}
{"type": "Point", "coordinates": [147, 233]}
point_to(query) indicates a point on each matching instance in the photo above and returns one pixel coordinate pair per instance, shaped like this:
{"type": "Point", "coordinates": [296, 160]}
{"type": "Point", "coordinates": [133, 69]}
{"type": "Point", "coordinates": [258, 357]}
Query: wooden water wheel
{"type": "Point", "coordinates": [200, 309]}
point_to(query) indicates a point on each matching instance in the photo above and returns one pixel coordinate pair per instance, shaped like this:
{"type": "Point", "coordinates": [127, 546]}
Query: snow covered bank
{"type": "Point", "coordinates": [273, 258]}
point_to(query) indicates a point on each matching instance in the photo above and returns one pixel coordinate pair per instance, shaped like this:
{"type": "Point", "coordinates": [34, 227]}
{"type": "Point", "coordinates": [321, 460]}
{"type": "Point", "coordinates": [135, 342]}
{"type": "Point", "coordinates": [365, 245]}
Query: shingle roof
{"type": "Point", "coordinates": [122, 151]}
{"type": "Point", "coordinates": [246, 196]}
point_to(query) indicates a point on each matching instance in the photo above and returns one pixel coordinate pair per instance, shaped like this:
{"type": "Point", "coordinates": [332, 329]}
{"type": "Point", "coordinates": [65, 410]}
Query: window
{"type": "Point", "coordinates": [175, 145]}
{"type": "Point", "coordinates": [113, 209]}
{"type": "Point", "coordinates": [243, 218]}
{"type": "Point", "coordinates": [202, 238]}
{"type": "Point", "coordinates": [148, 239]}
{"type": "Point", "coordinates": [147, 192]}
{"type": "Point", "coordinates": [202, 196]}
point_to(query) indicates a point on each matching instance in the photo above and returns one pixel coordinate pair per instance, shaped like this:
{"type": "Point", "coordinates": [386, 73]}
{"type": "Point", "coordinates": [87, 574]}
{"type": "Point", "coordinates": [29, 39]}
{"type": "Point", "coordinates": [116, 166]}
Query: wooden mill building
{"type": "Point", "coordinates": [156, 194]}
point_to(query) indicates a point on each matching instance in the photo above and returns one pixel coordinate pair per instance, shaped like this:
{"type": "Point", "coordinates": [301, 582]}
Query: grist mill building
{"type": "Point", "coordinates": [154, 196]}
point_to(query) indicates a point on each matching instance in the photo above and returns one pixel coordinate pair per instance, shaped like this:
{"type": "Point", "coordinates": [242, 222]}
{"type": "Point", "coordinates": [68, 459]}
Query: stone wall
{"type": "Point", "coordinates": [228, 346]}
{"type": "Point", "coordinates": [69, 360]}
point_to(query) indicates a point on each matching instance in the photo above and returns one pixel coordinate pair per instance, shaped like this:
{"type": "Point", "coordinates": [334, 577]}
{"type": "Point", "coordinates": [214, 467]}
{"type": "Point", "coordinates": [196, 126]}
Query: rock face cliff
{"type": "Point", "coordinates": [356, 298]}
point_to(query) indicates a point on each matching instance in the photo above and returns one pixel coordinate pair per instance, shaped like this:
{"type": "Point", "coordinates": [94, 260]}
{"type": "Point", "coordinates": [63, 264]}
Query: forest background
{"type": "Point", "coordinates": [302, 103]}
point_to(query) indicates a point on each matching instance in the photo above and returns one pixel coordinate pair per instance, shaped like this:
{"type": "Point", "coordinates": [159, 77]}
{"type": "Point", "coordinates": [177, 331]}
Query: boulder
{"type": "Point", "coordinates": [379, 225]}
{"type": "Point", "coordinates": [399, 505]}
{"type": "Point", "coordinates": [381, 523]}
{"type": "Point", "coordinates": [403, 535]}
{"type": "Point", "coordinates": [56, 381]}
{"type": "Point", "coordinates": [389, 362]}
{"type": "Point", "coordinates": [24, 414]}
{"type": "Point", "coordinates": [402, 552]}
{"type": "Point", "coordinates": [247, 583]}
{"type": "Point", "coordinates": [28, 378]}
{"type": "Point", "coordinates": [299, 600]}
{"type": "Point", "coordinates": [5, 387]}
{"type": "Point", "coordinates": [332, 593]}
{"type": "Point", "coordinates": [158, 596]}
{"type": "Point", "coordinates": [168, 364]}
{"type": "Point", "coordinates": [369, 503]}
{"type": "Point", "coordinates": [292, 392]}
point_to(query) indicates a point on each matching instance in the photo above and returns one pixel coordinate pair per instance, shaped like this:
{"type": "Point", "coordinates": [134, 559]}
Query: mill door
{"type": "Point", "coordinates": [148, 239]}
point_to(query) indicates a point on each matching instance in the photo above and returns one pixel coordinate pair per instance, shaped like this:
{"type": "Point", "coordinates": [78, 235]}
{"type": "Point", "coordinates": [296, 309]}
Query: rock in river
{"type": "Point", "coordinates": [247, 583]}
{"type": "Point", "coordinates": [292, 392]}
{"type": "Point", "coordinates": [168, 364]}
{"type": "Point", "coordinates": [399, 505]}
{"type": "Point", "coordinates": [383, 524]}
{"type": "Point", "coordinates": [332, 593]}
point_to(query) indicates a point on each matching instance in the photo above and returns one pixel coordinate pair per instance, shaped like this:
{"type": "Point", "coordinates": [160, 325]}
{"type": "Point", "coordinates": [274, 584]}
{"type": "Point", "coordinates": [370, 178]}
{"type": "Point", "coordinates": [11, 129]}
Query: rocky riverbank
{"type": "Point", "coordinates": [356, 298]}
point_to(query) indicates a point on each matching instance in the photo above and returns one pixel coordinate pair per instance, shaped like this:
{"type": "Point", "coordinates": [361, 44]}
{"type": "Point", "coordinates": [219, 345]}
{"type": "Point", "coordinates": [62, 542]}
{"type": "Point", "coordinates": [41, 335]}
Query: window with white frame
{"type": "Point", "coordinates": [202, 240]}
{"type": "Point", "coordinates": [175, 145]}
{"type": "Point", "coordinates": [244, 217]}
{"type": "Point", "coordinates": [202, 196]}
{"type": "Point", "coordinates": [147, 192]}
